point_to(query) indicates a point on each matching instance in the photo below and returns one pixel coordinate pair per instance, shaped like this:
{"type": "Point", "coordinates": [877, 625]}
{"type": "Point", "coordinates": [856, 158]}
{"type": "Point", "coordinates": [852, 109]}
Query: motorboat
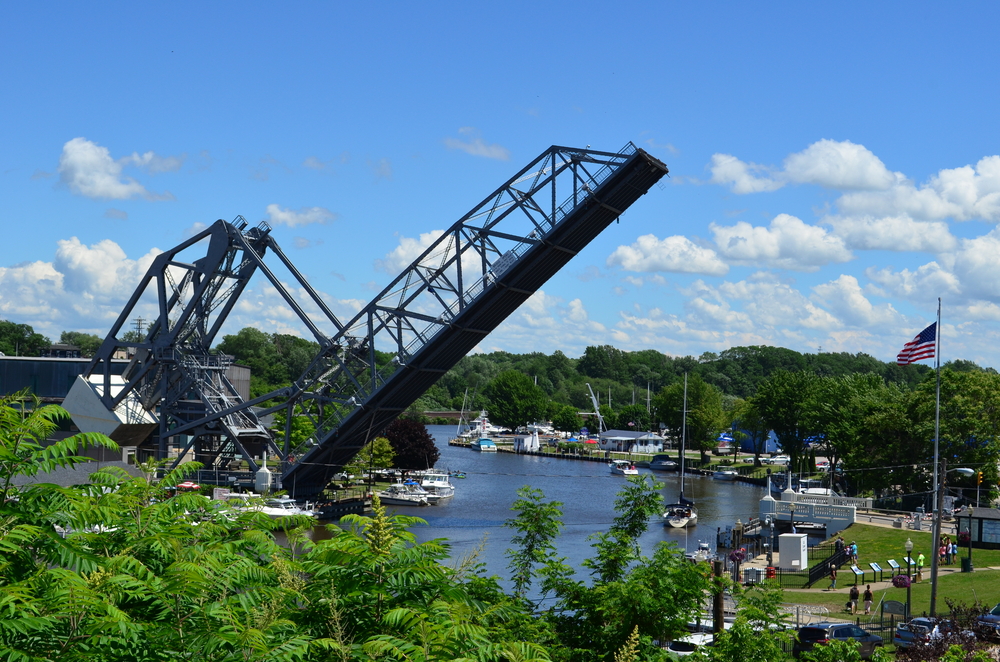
{"type": "Point", "coordinates": [662, 463]}
{"type": "Point", "coordinates": [682, 514]}
{"type": "Point", "coordinates": [400, 494]}
{"type": "Point", "coordinates": [483, 445]}
{"type": "Point", "coordinates": [725, 474]}
{"type": "Point", "coordinates": [623, 468]}
{"type": "Point", "coordinates": [275, 507]}
{"type": "Point", "coordinates": [703, 553]}
{"type": "Point", "coordinates": [284, 506]}
{"type": "Point", "coordinates": [437, 483]}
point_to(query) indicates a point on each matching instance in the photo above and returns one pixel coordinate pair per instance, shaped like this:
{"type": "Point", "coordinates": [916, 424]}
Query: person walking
{"type": "Point", "coordinates": [833, 577]}
{"type": "Point", "coordinates": [854, 552]}
{"type": "Point", "coordinates": [868, 599]}
{"type": "Point", "coordinates": [853, 599]}
{"type": "Point", "coordinates": [920, 567]}
{"type": "Point", "coordinates": [954, 551]}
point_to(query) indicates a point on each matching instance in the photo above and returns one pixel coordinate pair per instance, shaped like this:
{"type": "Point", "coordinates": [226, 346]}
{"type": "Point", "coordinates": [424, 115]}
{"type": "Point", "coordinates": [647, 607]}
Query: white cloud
{"type": "Point", "coordinates": [774, 303]}
{"type": "Point", "coordinates": [88, 170]}
{"type": "Point", "coordinates": [154, 164]}
{"type": "Point", "coordinates": [547, 323]}
{"type": "Point", "coordinates": [406, 252]}
{"type": "Point", "coordinates": [676, 254]}
{"type": "Point", "coordinates": [839, 165]}
{"type": "Point", "coordinates": [476, 146]}
{"type": "Point", "coordinates": [827, 163]}
{"type": "Point", "coordinates": [892, 233]}
{"type": "Point", "coordinates": [314, 163]}
{"type": "Point", "coordinates": [83, 288]}
{"type": "Point", "coordinates": [787, 243]}
{"type": "Point", "coordinates": [743, 177]}
{"type": "Point", "coordinates": [382, 169]}
{"type": "Point", "coordinates": [844, 298]}
{"type": "Point", "coordinates": [968, 192]}
{"type": "Point", "coordinates": [976, 266]}
{"type": "Point", "coordinates": [278, 215]}
{"type": "Point", "coordinates": [922, 285]}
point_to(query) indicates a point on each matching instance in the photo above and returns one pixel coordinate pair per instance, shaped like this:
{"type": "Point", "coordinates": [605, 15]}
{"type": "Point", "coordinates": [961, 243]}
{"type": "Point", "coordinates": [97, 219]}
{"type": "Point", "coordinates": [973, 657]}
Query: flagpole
{"type": "Point", "coordinates": [936, 536]}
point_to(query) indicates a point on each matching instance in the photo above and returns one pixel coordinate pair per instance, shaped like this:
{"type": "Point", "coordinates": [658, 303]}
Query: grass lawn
{"type": "Point", "coordinates": [879, 544]}
{"type": "Point", "coordinates": [983, 585]}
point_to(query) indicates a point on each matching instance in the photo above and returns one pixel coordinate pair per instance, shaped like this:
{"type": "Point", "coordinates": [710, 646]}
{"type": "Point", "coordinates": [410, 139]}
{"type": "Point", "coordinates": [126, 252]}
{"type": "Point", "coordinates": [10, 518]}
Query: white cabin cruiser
{"type": "Point", "coordinates": [623, 468]}
{"type": "Point", "coordinates": [437, 483]}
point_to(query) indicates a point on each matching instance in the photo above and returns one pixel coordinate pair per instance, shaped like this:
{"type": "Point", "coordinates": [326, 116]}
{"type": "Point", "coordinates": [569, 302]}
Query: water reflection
{"type": "Point", "coordinates": [474, 517]}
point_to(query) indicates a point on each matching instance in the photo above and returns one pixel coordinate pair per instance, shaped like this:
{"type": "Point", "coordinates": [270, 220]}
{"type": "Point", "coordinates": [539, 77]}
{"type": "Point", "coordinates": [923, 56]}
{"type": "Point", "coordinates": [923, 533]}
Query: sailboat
{"type": "Point", "coordinates": [682, 514]}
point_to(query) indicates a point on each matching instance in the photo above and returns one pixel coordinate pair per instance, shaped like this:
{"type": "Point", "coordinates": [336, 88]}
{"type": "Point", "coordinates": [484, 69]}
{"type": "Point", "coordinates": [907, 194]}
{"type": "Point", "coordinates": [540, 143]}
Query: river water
{"type": "Point", "coordinates": [587, 490]}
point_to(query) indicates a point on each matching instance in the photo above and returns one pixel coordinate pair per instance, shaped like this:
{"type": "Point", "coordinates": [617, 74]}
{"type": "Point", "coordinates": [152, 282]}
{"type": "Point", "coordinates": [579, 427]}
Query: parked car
{"type": "Point", "coordinates": [991, 619]}
{"type": "Point", "coordinates": [818, 634]}
{"type": "Point", "coordinates": [781, 460]}
{"type": "Point", "coordinates": [915, 632]}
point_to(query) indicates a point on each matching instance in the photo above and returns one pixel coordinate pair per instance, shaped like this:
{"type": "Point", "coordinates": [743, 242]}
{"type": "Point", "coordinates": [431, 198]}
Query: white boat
{"type": "Point", "coordinates": [276, 507]}
{"type": "Point", "coordinates": [682, 514]}
{"type": "Point", "coordinates": [437, 483]}
{"type": "Point", "coordinates": [662, 463]}
{"type": "Point", "coordinates": [400, 494]}
{"type": "Point", "coordinates": [484, 445]}
{"type": "Point", "coordinates": [703, 553]}
{"type": "Point", "coordinates": [623, 468]}
{"type": "Point", "coordinates": [725, 474]}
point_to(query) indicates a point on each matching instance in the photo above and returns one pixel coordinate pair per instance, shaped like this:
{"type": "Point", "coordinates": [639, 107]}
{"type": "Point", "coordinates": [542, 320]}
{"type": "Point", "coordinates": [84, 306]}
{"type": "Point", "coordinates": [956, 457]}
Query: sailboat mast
{"type": "Point", "coordinates": [684, 415]}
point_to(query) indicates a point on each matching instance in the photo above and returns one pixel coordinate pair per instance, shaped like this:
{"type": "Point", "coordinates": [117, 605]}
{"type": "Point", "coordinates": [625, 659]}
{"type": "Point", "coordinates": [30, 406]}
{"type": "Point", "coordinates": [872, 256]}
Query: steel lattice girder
{"type": "Point", "coordinates": [463, 286]}
{"type": "Point", "coordinates": [372, 368]}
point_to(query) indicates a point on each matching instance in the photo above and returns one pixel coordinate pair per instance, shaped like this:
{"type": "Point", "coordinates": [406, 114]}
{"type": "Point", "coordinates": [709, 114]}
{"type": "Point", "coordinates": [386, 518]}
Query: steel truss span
{"type": "Point", "coordinates": [371, 368]}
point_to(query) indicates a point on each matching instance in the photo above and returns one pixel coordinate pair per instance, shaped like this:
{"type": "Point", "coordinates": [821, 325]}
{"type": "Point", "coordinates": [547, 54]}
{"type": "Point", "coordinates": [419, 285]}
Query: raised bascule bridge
{"type": "Point", "coordinates": [175, 397]}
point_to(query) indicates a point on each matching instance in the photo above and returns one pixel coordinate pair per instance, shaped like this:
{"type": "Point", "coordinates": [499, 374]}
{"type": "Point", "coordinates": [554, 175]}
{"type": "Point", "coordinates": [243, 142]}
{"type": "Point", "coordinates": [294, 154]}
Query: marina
{"type": "Point", "coordinates": [475, 516]}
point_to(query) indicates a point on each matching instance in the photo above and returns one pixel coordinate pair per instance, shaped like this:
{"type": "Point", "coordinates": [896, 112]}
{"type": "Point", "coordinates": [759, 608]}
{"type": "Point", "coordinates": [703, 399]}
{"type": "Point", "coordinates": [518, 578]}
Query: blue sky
{"type": "Point", "coordinates": [834, 168]}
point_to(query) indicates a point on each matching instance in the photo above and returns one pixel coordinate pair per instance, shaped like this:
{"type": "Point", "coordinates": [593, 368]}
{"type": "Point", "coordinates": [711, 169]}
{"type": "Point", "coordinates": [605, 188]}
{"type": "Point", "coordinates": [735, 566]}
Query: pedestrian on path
{"type": "Point", "coordinates": [868, 599]}
{"type": "Point", "coordinates": [920, 567]}
{"type": "Point", "coordinates": [833, 577]}
{"type": "Point", "coordinates": [853, 599]}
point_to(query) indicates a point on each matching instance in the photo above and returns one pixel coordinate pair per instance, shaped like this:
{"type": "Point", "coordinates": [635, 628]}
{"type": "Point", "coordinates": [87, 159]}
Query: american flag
{"type": "Point", "coordinates": [920, 348]}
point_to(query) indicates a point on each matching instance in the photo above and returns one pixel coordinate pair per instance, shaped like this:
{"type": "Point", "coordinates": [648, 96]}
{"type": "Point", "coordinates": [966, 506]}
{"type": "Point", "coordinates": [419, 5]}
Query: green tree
{"type": "Point", "coordinates": [25, 426]}
{"type": "Point", "coordinates": [636, 415]}
{"type": "Point", "coordinates": [567, 419]}
{"type": "Point", "coordinates": [377, 453]}
{"type": "Point", "coordinates": [783, 400]}
{"type": "Point", "coordinates": [705, 416]}
{"type": "Point", "coordinates": [88, 343]}
{"type": "Point", "coordinates": [412, 446]}
{"type": "Point", "coordinates": [21, 340]}
{"type": "Point", "coordinates": [750, 422]}
{"type": "Point", "coordinates": [537, 524]}
{"type": "Point", "coordinates": [515, 400]}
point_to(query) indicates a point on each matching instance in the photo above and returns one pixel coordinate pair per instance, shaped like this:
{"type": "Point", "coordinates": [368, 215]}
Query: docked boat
{"type": "Point", "coordinates": [437, 483]}
{"type": "Point", "coordinates": [401, 494]}
{"type": "Point", "coordinates": [623, 468]}
{"type": "Point", "coordinates": [662, 463]}
{"type": "Point", "coordinates": [725, 474]}
{"type": "Point", "coordinates": [682, 514]}
{"type": "Point", "coordinates": [283, 506]}
{"type": "Point", "coordinates": [703, 553]}
{"type": "Point", "coordinates": [483, 445]}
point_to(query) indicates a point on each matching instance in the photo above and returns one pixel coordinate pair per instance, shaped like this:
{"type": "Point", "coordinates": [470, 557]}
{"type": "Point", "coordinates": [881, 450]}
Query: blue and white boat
{"type": "Point", "coordinates": [484, 445]}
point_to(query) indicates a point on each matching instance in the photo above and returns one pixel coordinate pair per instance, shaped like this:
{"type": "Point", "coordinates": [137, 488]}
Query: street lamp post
{"type": "Point", "coordinates": [909, 574]}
